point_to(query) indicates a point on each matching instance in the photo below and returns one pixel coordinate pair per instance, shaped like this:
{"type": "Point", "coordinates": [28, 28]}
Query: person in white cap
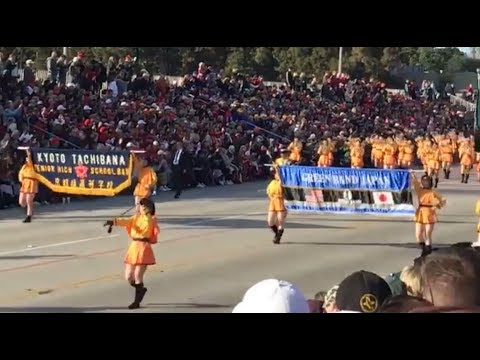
{"type": "Point", "coordinates": [272, 296]}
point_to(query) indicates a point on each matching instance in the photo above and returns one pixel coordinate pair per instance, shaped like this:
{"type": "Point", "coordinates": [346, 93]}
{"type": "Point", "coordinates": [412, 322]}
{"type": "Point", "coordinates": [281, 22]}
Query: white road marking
{"type": "Point", "coordinates": [116, 235]}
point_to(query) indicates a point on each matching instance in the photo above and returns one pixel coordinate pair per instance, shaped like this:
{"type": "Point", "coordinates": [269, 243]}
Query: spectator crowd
{"type": "Point", "coordinates": [445, 281]}
{"type": "Point", "coordinates": [230, 124]}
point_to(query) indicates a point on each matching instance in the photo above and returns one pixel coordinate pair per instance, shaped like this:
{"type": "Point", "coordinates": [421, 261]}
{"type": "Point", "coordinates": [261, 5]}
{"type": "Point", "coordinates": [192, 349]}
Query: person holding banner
{"type": "Point", "coordinates": [29, 188]}
{"type": "Point", "coordinates": [147, 181]}
{"type": "Point", "coordinates": [426, 215]}
{"type": "Point", "coordinates": [277, 212]}
{"type": "Point", "coordinates": [295, 148]}
{"type": "Point", "coordinates": [143, 231]}
{"type": "Point", "coordinates": [357, 153]}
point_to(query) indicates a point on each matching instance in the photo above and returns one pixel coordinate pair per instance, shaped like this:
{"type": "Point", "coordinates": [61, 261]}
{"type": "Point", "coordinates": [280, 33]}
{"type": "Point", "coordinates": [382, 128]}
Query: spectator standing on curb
{"type": "Point", "coordinates": [52, 67]}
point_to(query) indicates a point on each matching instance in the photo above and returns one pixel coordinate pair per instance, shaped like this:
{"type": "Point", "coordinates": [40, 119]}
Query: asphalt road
{"type": "Point", "coordinates": [214, 245]}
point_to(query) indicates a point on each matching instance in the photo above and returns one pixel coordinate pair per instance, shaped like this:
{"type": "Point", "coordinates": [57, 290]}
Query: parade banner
{"type": "Point", "coordinates": [83, 172]}
{"type": "Point", "coordinates": [347, 191]}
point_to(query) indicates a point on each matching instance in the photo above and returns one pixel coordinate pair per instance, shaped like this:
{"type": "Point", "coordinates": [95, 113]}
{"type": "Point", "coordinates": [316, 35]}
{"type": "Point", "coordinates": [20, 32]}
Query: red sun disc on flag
{"type": "Point", "coordinates": [382, 197]}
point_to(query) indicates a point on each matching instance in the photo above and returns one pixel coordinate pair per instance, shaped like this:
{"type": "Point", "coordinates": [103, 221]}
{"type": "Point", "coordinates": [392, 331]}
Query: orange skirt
{"type": "Point", "coordinates": [425, 215]}
{"type": "Point", "coordinates": [448, 158]}
{"type": "Point", "coordinates": [29, 186]}
{"type": "Point", "coordinates": [407, 158]}
{"type": "Point", "coordinates": [434, 164]}
{"type": "Point", "coordinates": [140, 191]}
{"type": "Point", "coordinates": [139, 253]}
{"type": "Point", "coordinates": [466, 162]}
{"type": "Point", "coordinates": [276, 205]}
{"type": "Point", "coordinates": [325, 160]}
{"type": "Point", "coordinates": [377, 154]}
{"type": "Point", "coordinates": [357, 162]}
{"type": "Point", "coordinates": [389, 160]}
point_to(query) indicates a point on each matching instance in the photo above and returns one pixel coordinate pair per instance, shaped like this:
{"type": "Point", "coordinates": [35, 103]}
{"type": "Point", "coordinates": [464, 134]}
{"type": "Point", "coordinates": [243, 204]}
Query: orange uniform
{"type": "Point", "coordinates": [275, 194]}
{"type": "Point", "coordinates": [295, 151]}
{"type": "Point", "coordinates": [466, 154]}
{"type": "Point", "coordinates": [326, 155]}
{"type": "Point", "coordinates": [147, 179]}
{"type": "Point", "coordinates": [143, 230]}
{"type": "Point", "coordinates": [447, 150]}
{"type": "Point", "coordinates": [477, 211]}
{"type": "Point", "coordinates": [377, 151]}
{"type": "Point", "coordinates": [408, 153]}
{"type": "Point", "coordinates": [28, 178]}
{"type": "Point", "coordinates": [433, 158]}
{"type": "Point", "coordinates": [428, 203]}
{"type": "Point", "coordinates": [356, 155]}
{"type": "Point", "coordinates": [389, 155]}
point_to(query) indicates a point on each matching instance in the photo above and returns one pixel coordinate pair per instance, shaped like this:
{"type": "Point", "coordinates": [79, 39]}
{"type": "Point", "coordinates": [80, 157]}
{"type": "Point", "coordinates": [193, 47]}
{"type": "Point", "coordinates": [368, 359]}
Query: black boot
{"type": "Point", "coordinates": [423, 248]}
{"type": "Point", "coordinates": [463, 178]}
{"type": "Point", "coordinates": [28, 219]}
{"type": "Point", "coordinates": [445, 173]}
{"type": "Point", "coordinates": [447, 176]}
{"type": "Point", "coordinates": [428, 249]}
{"type": "Point", "coordinates": [466, 178]}
{"type": "Point", "coordinates": [436, 183]}
{"type": "Point", "coordinates": [278, 237]}
{"type": "Point", "coordinates": [274, 229]}
{"type": "Point", "coordinates": [140, 292]}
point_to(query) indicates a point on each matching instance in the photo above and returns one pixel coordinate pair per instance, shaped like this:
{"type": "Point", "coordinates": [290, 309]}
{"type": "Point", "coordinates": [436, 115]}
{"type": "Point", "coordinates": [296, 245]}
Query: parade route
{"type": "Point", "coordinates": [214, 244]}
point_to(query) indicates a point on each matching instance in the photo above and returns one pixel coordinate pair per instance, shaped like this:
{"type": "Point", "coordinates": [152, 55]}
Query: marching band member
{"type": "Point", "coordinates": [408, 154]}
{"type": "Point", "coordinates": [433, 163]}
{"type": "Point", "coordinates": [325, 152]}
{"type": "Point", "coordinates": [389, 151]}
{"type": "Point", "coordinates": [426, 215]}
{"type": "Point", "coordinates": [466, 154]}
{"type": "Point", "coordinates": [477, 158]}
{"type": "Point", "coordinates": [357, 152]}
{"type": "Point", "coordinates": [147, 182]}
{"type": "Point", "coordinates": [277, 213]}
{"type": "Point", "coordinates": [29, 188]}
{"type": "Point", "coordinates": [446, 150]}
{"type": "Point", "coordinates": [401, 144]}
{"type": "Point", "coordinates": [143, 230]}
{"type": "Point", "coordinates": [295, 148]}
{"type": "Point", "coordinates": [377, 152]}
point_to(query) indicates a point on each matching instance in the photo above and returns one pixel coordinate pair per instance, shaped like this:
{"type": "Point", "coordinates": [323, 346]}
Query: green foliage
{"type": "Point", "coordinates": [272, 62]}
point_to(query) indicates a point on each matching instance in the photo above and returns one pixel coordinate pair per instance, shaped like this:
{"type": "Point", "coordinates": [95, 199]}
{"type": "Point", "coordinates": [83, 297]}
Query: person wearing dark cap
{"type": "Point", "coordinates": [143, 230]}
{"type": "Point", "coordinates": [147, 181]}
{"type": "Point", "coordinates": [277, 212]}
{"type": "Point", "coordinates": [362, 292]}
{"type": "Point", "coordinates": [426, 215]}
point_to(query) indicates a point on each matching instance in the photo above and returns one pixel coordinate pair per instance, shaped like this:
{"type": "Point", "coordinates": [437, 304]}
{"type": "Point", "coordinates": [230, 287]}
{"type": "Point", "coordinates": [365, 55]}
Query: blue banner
{"type": "Point", "coordinates": [347, 191]}
{"type": "Point", "coordinates": [83, 172]}
{"type": "Point", "coordinates": [344, 178]}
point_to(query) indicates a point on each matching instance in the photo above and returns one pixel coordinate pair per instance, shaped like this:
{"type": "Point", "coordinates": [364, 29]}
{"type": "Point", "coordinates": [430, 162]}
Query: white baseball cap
{"type": "Point", "coordinates": [273, 296]}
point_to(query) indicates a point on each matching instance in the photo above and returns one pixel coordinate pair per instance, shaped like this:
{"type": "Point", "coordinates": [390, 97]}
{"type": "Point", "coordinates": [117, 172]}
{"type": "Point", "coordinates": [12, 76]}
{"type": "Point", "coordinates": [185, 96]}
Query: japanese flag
{"type": "Point", "coordinates": [383, 198]}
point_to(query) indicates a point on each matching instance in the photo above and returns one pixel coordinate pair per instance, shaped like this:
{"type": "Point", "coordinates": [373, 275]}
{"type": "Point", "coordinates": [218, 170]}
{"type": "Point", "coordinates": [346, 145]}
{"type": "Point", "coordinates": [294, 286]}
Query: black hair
{"type": "Point", "coordinates": [149, 204]}
{"type": "Point", "coordinates": [427, 182]}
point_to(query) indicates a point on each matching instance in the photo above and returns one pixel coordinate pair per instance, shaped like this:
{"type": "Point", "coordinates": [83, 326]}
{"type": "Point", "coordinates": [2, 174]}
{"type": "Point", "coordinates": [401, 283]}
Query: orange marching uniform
{"type": "Point", "coordinates": [408, 154]}
{"type": "Point", "coordinates": [325, 152]}
{"type": "Point", "coordinates": [143, 230]}
{"type": "Point", "coordinates": [389, 151]}
{"type": "Point", "coordinates": [147, 179]}
{"type": "Point", "coordinates": [295, 150]}
{"type": "Point", "coordinates": [466, 154]}
{"type": "Point", "coordinates": [28, 179]}
{"type": "Point", "coordinates": [357, 153]}
{"type": "Point", "coordinates": [428, 203]}
{"type": "Point", "coordinates": [277, 211]}
{"type": "Point", "coordinates": [477, 212]}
